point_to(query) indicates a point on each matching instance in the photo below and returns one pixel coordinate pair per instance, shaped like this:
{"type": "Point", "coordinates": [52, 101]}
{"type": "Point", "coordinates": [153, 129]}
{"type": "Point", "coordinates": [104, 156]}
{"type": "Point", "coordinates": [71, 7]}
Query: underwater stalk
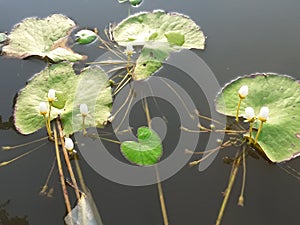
{"type": "Point", "coordinates": [232, 177]}
{"type": "Point", "coordinates": [61, 174]}
{"type": "Point", "coordinates": [67, 160]}
{"type": "Point", "coordinates": [161, 198]}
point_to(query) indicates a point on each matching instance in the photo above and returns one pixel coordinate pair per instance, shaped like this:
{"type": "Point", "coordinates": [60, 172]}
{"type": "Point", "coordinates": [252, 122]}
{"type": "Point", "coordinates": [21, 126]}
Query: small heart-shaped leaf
{"type": "Point", "coordinates": [147, 151]}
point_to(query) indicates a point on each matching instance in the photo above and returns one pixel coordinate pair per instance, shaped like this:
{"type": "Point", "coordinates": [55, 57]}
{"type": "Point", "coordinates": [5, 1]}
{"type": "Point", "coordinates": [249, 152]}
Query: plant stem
{"type": "Point", "coordinates": [258, 132]}
{"type": "Point", "coordinates": [48, 127]}
{"type": "Point", "coordinates": [161, 197]}
{"type": "Point", "coordinates": [235, 167]}
{"type": "Point", "coordinates": [250, 130]}
{"type": "Point", "coordinates": [83, 126]}
{"type": "Point", "coordinates": [61, 174]}
{"type": "Point", "coordinates": [241, 198]}
{"type": "Point", "coordinates": [48, 122]}
{"type": "Point", "coordinates": [80, 176]}
{"type": "Point", "coordinates": [67, 160]}
{"type": "Point", "coordinates": [238, 110]}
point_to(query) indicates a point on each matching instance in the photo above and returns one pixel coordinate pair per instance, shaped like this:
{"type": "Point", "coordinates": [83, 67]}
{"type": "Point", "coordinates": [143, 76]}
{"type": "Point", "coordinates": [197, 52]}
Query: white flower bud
{"type": "Point", "coordinates": [43, 107]}
{"type": "Point", "coordinates": [69, 145]}
{"type": "Point", "coordinates": [51, 95]}
{"type": "Point", "coordinates": [129, 50]}
{"type": "Point", "coordinates": [243, 92]}
{"type": "Point", "coordinates": [249, 113]}
{"type": "Point", "coordinates": [84, 109]}
{"type": "Point", "coordinates": [263, 114]}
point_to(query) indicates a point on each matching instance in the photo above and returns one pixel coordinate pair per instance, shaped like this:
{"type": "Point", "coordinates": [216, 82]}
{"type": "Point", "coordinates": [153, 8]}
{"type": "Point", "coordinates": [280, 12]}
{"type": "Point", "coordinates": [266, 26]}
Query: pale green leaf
{"type": "Point", "coordinates": [84, 37]}
{"type": "Point", "coordinates": [280, 136]}
{"type": "Point", "coordinates": [151, 58]}
{"type": "Point", "coordinates": [161, 31]}
{"type": "Point", "coordinates": [42, 37]}
{"type": "Point", "coordinates": [77, 89]}
{"type": "Point", "coordinates": [147, 151]}
{"type": "Point", "coordinates": [142, 27]}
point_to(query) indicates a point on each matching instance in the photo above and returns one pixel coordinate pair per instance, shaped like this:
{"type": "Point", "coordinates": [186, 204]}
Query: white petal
{"type": "Point", "coordinates": [129, 48]}
{"type": "Point", "coordinates": [264, 113]}
{"type": "Point", "coordinates": [243, 92]}
{"type": "Point", "coordinates": [51, 95]}
{"type": "Point", "coordinates": [84, 109]}
{"type": "Point", "coordinates": [69, 145]}
{"type": "Point", "coordinates": [43, 107]}
{"type": "Point", "coordinates": [249, 113]}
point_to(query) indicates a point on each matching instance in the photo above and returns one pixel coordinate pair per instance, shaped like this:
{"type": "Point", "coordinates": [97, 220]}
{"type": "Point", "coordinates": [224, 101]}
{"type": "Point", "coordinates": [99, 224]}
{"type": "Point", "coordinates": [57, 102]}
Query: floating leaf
{"type": "Point", "coordinates": [85, 37]}
{"type": "Point", "coordinates": [135, 2]}
{"type": "Point", "coordinates": [42, 37]}
{"type": "Point", "coordinates": [132, 2]}
{"type": "Point", "coordinates": [148, 149]}
{"type": "Point", "coordinates": [280, 136]}
{"type": "Point", "coordinates": [161, 31]}
{"type": "Point", "coordinates": [90, 87]}
{"type": "Point", "coordinates": [151, 58]}
{"type": "Point", "coordinates": [157, 26]}
{"type": "Point", "coordinates": [3, 38]}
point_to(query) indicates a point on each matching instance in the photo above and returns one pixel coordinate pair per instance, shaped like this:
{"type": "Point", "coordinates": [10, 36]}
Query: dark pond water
{"type": "Point", "coordinates": [243, 37]}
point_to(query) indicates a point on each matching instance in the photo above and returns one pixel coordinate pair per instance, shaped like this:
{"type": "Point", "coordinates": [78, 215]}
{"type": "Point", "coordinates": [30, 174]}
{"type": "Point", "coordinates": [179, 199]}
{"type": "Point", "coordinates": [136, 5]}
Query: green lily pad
{"type": "Point", "coordinates": [42, 37]}
{"type": "Point", "coordinates": [161, 31]}
{"type": "Point", "coordinates": [62, 78]}
{"type": "Point", "coordinates": [85, 37]}
{"type": "Point", "coordinates": [142, 27]}
{"type": "Point", "coordinates": [280, 135]}
{"type": "Point", "coordinates": [132, 2]}
{"type": "Point", "coordinates": [151, 58]}
{"type": "Point", "coordinates": [147, 151]}
{"type": "Point", "coordinates": [3, 38]}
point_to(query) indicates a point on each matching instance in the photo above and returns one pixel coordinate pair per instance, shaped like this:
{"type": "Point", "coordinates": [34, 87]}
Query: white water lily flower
{"type": "Point", "coordinates": [51, 95]}
{"type": "Point", "coordinates": [69, 144]}
{"type": "Point", "coordinates": [129, 50]}
{"type": "Point", "coordinates": [263, 114]}
{"type": "Point", "coordinates": [84, 110]}
{"type": "Point", "coordinates": [43, 107]}
{"type": "Point", "coordinates": [243, 92]}
{"type": "Point", "coordinates": [249, 114]}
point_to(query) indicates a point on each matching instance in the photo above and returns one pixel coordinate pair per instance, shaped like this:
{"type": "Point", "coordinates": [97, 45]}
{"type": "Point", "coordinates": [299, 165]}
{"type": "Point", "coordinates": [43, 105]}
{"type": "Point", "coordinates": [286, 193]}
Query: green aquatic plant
{"type": "Point", "coordinates": [85, 37]}
{"type": "Point", "coordinates": [132, 2]}
{"type": "Point", "coordinates": [147, 151]}
{"type": "Point", "coordinates": [3, 39]}
{"type": "Point", "coordinates": [70, 90]}
{"type": "Point", "coordinates": [45, 37]}
{"type": "Point", "coordinates": [159, 33]}
{"type": "Point", "coordinates": [279, 138]}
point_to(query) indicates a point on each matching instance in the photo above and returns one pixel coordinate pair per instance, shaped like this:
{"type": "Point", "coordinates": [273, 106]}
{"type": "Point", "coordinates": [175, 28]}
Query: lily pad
{"type": "Point", "coordinates": [132, 2]}
{"type": "Point", "coordinates": [3, 38]}
{"type": "Point", "coordinates": [142, 27]}
{"type": "Point", "coordinates": [151, 58]}
{"type": "Point", "coordinates": [42, 37]}
{"type": "Point", "coordinates": [76, 89]}
{"type": "Point", "coordinates": [280, 135]}
{"type": "Point", "coordinates": [159, 32]}
{"type": "Point", "coordinates": [147, 151]}
{"type": "Point", "coordinates": [85, 37]}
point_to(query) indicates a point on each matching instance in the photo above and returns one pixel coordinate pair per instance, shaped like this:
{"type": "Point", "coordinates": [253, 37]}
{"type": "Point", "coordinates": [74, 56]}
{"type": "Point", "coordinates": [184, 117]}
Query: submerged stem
{"type": "Point", "coordinates": [241, 198]}
{"type": "Point", "coordinates": [161, 197]}
{"type": "Point", "coordinates": [235, 167]}
{"type": "Point", "coordinates": [67, 160]}
{"type": "Point", "coordinates": [61, 174]}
